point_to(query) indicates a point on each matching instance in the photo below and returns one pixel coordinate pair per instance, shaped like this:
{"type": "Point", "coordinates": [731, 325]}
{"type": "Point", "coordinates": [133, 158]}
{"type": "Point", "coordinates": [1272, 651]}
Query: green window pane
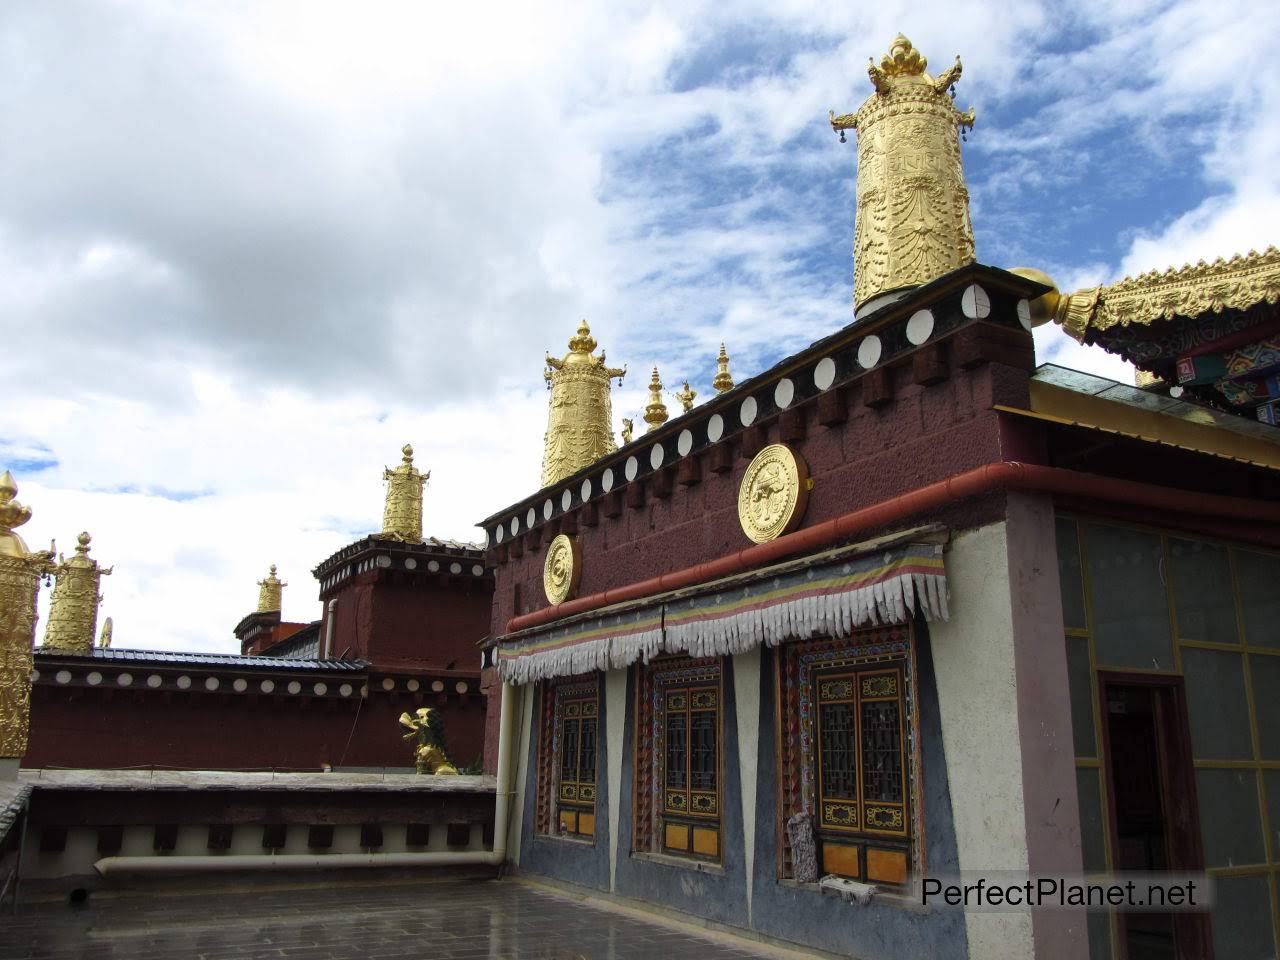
{"type": "Point", "coordinates": [1078, 680]}
{"type": "Point", "coordinates": [1259, 577]}
{"type": "Point", "coordinates": [1069, 575]}
{"type": "Point", "coordinates": [1229, 822]}
{"type": "Point", "coordinates": [1202, 592]}
{"type": "Point", "coordinates": [1093, 847]}
{"type": "Point", "coordinates": [1130, 606]}
{"type": "Point", "coordinates": [1241, 919]}
{"type": "Point", "coordinates": [1265, 671]}
{"type": "Point", "coordinates": [1219, 712]}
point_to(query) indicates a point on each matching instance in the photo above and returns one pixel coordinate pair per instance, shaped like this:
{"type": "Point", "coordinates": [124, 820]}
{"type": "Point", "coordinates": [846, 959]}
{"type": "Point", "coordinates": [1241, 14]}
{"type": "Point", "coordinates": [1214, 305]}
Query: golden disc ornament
{"type": "Point", "coordinates": [562, 569]}
{"type": "Point", "coordinates": [773, 494]}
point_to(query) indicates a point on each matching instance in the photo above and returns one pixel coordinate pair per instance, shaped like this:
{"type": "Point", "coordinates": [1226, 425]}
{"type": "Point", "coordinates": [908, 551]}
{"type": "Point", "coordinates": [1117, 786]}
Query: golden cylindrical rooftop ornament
{"type": "Point", "coordinates": [20, 572]}
{"type": "Point", "coordinates": [271, 592]}
{"type": "Point", "coordinates": [580, 413]}
{"type": "Point", "coordinates": [402, 514]}
{"type": "Point", "coordinates": [912, 222]}
{"type": "Point", "coordinates": [73, 612]}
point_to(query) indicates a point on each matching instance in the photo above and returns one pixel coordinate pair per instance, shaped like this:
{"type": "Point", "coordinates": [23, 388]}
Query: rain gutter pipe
{"type": "Point", "coordinates": [335, 861]}
{"type": "Point", "coordinates": [1003, 475]}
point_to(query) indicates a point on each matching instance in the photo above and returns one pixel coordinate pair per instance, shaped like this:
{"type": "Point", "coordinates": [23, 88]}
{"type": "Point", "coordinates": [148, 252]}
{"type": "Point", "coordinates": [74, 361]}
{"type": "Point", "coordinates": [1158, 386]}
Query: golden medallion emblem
{"type": "Point", "coordinates": [562, 569]}
{"type": "Point", "coordinates": [773, 494]}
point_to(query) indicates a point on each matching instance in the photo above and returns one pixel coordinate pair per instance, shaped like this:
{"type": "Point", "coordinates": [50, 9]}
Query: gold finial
{"type": "Point", "coordinates": [20, 573]}
{"type": "Point", "coordinates": [579, 417]}
{"type": "Point", "coordinates": [724, 380]}
{"type": "Point", "coordinates": [271, 592]}
{"type": "Point", "coordinates": [628, 425]}
{"type": "Point", "coordinates": [104, 638]}
{"type": "Point", "coordinates": [655, 412]}
{"type": "Point", "coordinates": [686, 397]}
{"type": "Point", "coordinates": [912, 223]}
{"type": "Point", "coordinates": [73, 611]}
{"type": "Point", "coordinates": [402, 513]}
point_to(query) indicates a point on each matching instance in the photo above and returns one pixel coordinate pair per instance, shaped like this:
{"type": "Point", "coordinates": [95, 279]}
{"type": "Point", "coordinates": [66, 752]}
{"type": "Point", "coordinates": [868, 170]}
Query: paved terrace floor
{"type": "Point", "coordinates": [352, 920]}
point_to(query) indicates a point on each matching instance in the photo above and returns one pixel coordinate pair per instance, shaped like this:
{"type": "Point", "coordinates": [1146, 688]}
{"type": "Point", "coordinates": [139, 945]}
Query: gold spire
{"type": "Point", "coordinates": [724, 380]}
{"type": "Point", "coordinates": [20, 572]}
{"type": "Point", "coordinates": [73, 612]}
{"type": "Point", "coordinates": [655, 413]}
{"type": "Point", "coordinates": [912, 223]}
{"type": "Point", "coordinates": [270, 592]}
{"type": "Point", "coordinates": [402, 514]}
{"type": "Point", "coordinates": [104, 638]}
{"type": "Point", "coordinates": [579, 417]}
{"type": "Point", "coordinates": [686, 397]}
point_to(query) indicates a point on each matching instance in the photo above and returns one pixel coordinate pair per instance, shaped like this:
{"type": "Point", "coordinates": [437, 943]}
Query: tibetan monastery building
{"type": "Point", "coordinates": [908, 605]}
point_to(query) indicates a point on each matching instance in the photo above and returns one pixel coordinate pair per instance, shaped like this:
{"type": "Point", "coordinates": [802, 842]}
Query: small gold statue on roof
{"type": "Point", "coordinates": [655, 412]}
{"type": "Point", "coordinates": [270, 592]}
{"type": "Point", "coordinates": [628, 425]}
{"type": "Point", "coordinates": [73, 611]}
{"type": "Point", "coordinates": [402, 514]}
{"type": "Point", "coordinates": [104, 638]}
{"type": "Point", "coordinates": [428, 752]}
{"type": "Point", "coordinates": [724, 380]}
{"type": "Point", "coordinates": [686, 397]}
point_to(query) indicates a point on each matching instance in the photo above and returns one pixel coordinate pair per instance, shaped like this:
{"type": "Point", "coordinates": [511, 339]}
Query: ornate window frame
{"type": "Point", "coordinates": [567, 808]}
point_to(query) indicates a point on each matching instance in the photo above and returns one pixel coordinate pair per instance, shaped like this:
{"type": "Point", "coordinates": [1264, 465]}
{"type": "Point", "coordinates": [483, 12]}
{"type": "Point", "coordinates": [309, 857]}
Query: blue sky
{"type": "Point", "coordinates": [246, 252]}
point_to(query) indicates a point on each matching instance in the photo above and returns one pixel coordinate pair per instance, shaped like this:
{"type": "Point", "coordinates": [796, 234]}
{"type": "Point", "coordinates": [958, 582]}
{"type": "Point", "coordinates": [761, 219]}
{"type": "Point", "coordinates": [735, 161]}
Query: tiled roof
{"type": "Point", "coordinates": [224, 660]}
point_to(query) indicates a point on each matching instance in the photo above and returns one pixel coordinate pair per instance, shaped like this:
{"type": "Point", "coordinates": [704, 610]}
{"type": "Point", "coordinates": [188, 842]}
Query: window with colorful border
{"type": "Point", "coordinates": [567, 757]}
{"type": "Point", "coordinates": [849, 754]}
{"type": "Point", "coordinates": [678, 757]}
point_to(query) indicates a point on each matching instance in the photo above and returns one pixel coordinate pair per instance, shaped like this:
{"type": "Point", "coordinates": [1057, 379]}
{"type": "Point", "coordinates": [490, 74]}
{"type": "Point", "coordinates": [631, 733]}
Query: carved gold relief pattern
{"type": "Point", "coordinates": [20, 572]}
{"type": "Point", "coordinates": [562, 569]}
{"type": "Point", "coordinates": [579, 417]}
{"type": "Point", "coordinates": [73, 612]}
{"type": "Point", "coordinates": [402, 514]}
{"type": "Point", "coordinates": [773, 493]}
{"type": "Point", "coordinates": [912, 221]}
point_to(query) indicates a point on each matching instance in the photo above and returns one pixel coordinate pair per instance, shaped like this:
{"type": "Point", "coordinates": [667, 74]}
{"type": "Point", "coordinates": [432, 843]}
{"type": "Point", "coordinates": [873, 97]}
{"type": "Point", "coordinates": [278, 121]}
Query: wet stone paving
{"type": "Point", "coordinates": [386, 920]}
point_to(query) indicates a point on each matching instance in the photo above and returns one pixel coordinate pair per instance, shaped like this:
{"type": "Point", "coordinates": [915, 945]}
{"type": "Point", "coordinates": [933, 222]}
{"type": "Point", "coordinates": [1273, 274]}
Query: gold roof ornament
{"type": "Point", "coordinates": [1238, 283]}
{"type": "Point", "coordinates": [104, 638]}
{"type": "Point", "coordinates": [724, 379]}
{"type": "Point", "coordinates": [402, 513]}
{"type": "Point", "coordinates": [20, 573]}
{"type": "Point", "coordinates": [686, 396]}
{"type": "Point", "coordinates": [579, 415]}
{"type": "Point", "coordinates": [73, 611]}
{"type": "Point", "coordinates": [628, 427]}
{"type": "Point", "coordinates": [562, 569]}
{"type": "Point", "coordinates": [912, 223]}
{"type": "Point", "coordinates": [655, 412]}
{"type": "Point", "coordinates": [270, 592]}
{"type": "Point", "coordinates": [773, 494]}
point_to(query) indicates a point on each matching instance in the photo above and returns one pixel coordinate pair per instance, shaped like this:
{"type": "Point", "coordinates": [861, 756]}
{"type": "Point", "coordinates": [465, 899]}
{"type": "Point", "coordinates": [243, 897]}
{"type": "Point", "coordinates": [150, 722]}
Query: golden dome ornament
{"type": "Point", "coordinates": [774, 493]}
{"type": "Point", "coordinates": [562, 569]}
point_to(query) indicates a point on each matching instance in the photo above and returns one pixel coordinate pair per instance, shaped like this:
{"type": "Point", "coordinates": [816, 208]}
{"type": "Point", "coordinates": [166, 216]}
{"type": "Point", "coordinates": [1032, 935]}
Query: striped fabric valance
{"type": "Point", "coordinates": [830, 600]}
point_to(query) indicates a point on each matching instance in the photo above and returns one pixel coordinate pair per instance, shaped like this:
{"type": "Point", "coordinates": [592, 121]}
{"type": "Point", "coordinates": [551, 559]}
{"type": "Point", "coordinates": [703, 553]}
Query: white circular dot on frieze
{"type": "Point", "coordinates": [498, 534]}
{"type": "Point", "coordinates": [267, 686]}
{"type": "Point", "coordinates": [345, 689]}
{"type": "Point", "coordinates": [211, 683]}
{"type": "Point", "coordinates": [437, 686]}
{"type": "Point", "coordinates": [684, 443]}
{"type": "Point", "coordinates": [920, 326]}
{"type": "Point", "coordinates": [388, 683]}
{"type": "Point", "coordinates": [35, 676]}
{"type": "Point", "coordinates": [747, 412]}
{"type": "Point", "coordinates": [515, 525]}
{"type": "Point", "coordinates": [477, 570]}
{"type": "Point", "coordinates": [631, 469]}
{"type": "Point", "coordinates": [606, 480]}
{"type": "Point", "coordinates": [824, 374]}
{"type": "Point", "coordinates": [184, 682]}
{"type": "Point", "coordinates": [154, 680]}
{"type": "Point", "coordinates": [124, 679]}
{"type": "Point", "coordinates": [869, 352]}
{"type": "Point", "coordinates": [384, 561]}
{"type": "Point", "coordinates": [715, 428]}
{"type": "Point", "coordinates": [566, 500]}
{"type": "Point", "coordinates": [656, 455]}
{"type": "Point", "coordinates": [585, 490]}
{"type": "Point", "coordinates": [410, 563]}
{"type": "Point", "coordinates": [531, 518]}
{"type": "Point", "coordinates": [784, 393]}
{"type": "Point", "coordinates": [240, 685]}
{"type": "Point", "coordinates": [548, 508]}
{"type": "Point", "coordinates": [295, 687]}
{"type": "Point", "coordinates": [1024, 314]}
{"type": "Point", "coordinates": [412, 684]}
{"type": "Point", "coordinates": [460, 686]}
{"type": "Point", "coordinates": [975, 302]}
{"type": "Point", "coordinates": [94, 678]}
{"type": "Point", "coordinates": [320, 689]}
{"type": "Point", "coordinates": [455, 568]}
{"type": "Point", "coordinates": [433, 566]}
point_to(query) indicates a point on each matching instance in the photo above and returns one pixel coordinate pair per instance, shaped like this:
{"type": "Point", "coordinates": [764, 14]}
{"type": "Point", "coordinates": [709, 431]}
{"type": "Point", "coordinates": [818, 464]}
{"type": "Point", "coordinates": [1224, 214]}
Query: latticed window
{"type": "Point", "coordinates": [567, 757]}
{"type": "Point", "coordinates": [849, 754]}
{"type": "Point", "coordinates": [678, 758]}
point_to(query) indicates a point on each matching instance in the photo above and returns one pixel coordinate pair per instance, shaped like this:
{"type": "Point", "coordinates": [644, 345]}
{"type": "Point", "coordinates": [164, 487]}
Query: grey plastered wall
{"type": "Point", "coordinates": [574, 861]}
{"type": "Point", "coordinates": [887, 928]}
